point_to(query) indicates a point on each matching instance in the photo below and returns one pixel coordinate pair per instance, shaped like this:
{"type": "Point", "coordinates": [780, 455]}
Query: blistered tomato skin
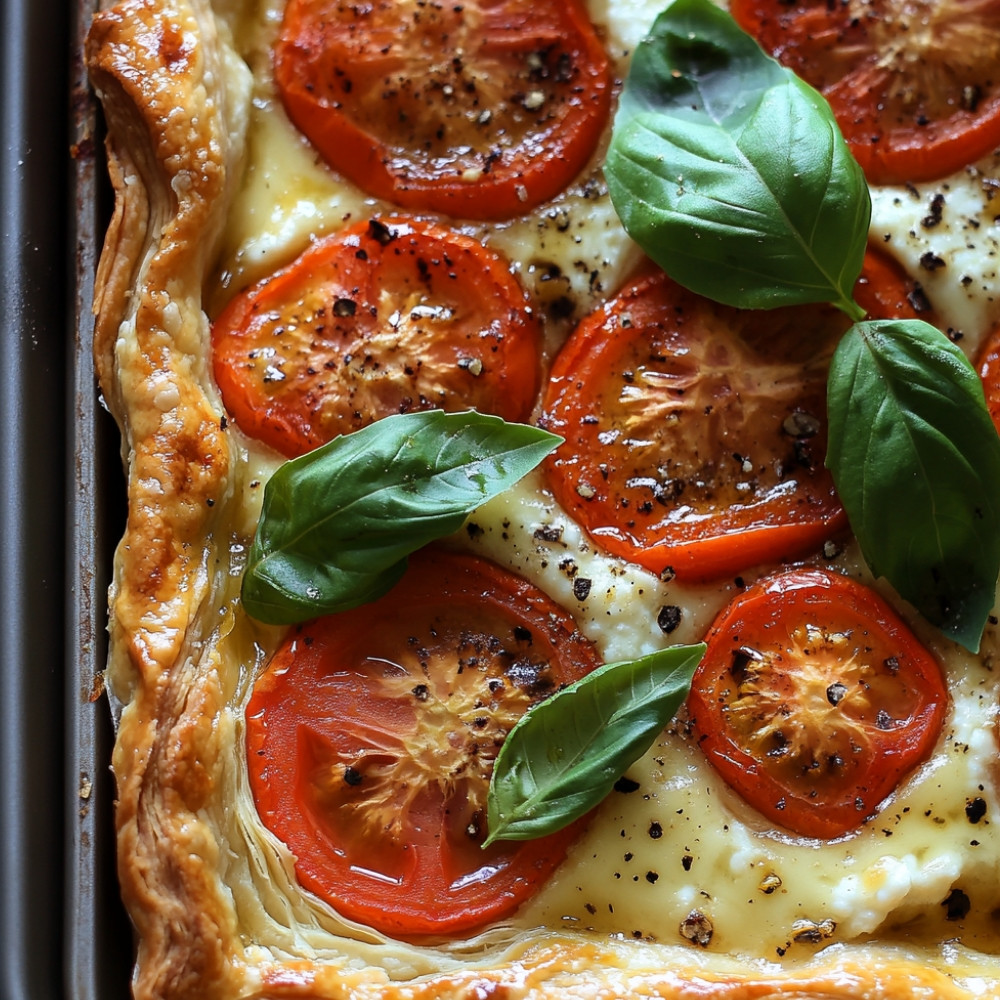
{"type": "Point", "coordinates": [913, 83]}
{"type": "Point", "coordinates": [479, 109]}
{"type": "Point", "coordinates": [389, 316]}
{"type": "Point", "coordinates": [814, 701]}
{"type": "Point", "coordinates": [371, 738]}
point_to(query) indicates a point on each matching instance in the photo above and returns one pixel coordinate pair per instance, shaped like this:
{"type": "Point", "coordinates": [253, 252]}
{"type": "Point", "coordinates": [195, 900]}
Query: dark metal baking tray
{"type": "Point", "coordinates": [62, 931]}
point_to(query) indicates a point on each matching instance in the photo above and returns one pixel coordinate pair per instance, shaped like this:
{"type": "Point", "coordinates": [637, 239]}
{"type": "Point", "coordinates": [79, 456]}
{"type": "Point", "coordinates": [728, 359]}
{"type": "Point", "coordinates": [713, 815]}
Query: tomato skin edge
{"type": "Point", "coordinates": [704, 560]}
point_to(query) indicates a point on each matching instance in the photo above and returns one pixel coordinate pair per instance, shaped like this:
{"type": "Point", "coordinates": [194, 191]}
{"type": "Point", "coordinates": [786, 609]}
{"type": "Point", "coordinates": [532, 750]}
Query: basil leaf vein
{"type": "Point", "coordinates": [731, 173]}
{"type": "Point", "coordinates": [565, 754]}
{"type": "Point", "coordinates": [338, 524]}
{"type": "Point", "coordinates": [916, 460]}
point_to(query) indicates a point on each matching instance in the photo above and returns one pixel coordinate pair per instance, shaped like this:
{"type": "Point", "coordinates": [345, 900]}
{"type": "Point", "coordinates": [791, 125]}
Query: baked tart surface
{"type": "Point", "coordinates": [252, 203]}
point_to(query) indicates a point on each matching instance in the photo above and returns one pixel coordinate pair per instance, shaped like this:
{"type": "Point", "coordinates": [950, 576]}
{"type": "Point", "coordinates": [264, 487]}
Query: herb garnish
{"type": "Point", "coordinates": [913, 452]}
{"type": "Point", "coordinates": [565, 754]}
{"type": "Point", "coordinates": [338, 524]}
{"type": "Point", "coordinates": [733, 175]}
{"type": "Point", "coordinates": [730, 171]}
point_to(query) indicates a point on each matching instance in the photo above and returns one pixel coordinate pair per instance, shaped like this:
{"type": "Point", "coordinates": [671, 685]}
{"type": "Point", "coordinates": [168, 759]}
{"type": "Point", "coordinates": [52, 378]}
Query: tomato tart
{"type": "Point", "coordinates": [345, 237]}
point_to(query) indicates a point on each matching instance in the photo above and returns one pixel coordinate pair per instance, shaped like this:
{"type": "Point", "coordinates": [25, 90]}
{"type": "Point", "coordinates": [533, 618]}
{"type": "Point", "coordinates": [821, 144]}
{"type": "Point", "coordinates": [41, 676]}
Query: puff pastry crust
{"type": "Point", "coordinates": [213, 898]}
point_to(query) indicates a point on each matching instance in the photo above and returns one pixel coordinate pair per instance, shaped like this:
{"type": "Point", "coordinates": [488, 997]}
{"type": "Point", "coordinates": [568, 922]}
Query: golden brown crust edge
{"type": "Point", "coordinates": [169, 171]}
{"type": "Point", "coordinates": [173, 151]}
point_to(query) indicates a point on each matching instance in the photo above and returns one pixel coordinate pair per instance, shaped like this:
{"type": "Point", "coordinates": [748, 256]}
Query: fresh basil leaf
{"type": "Point", "coordinates": [731, 172]}
{"type": "Point", "coordinates": [565, 754]}
{"type": "Point", "coordinates": [338, 524]}
{"type": "Point", "coordinates": [916, 461]}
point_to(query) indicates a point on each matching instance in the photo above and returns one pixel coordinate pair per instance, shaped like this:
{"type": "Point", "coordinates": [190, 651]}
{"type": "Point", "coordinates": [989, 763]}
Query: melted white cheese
{"type": "Point", "coordinates": [682, 841]}
{"type": "Point", "coordinates": [947, 235]}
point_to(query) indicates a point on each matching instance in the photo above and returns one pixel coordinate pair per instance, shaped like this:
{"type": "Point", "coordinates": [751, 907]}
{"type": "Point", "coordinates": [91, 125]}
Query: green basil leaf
{"type": "Point", "coordinates": [731, 172]}
{"type": "Point", "coordinates": [338, 524]}
{"type": "Point", "coordinates": [916, 460]}
{"type": "Point", "coordinates": [565, 754]}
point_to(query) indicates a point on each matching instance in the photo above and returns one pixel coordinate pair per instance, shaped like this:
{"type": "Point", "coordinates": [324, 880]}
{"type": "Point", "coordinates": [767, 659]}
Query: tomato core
{"type": "Point", "coordinates": [814, 700]}
{"type": "Point", "coordinates": [371, 738]}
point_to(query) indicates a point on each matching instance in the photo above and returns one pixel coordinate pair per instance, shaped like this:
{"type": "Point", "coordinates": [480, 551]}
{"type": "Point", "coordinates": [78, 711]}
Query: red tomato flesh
{"type": "Point", "coordinates": [371, 738]}
{"type": "Point", "coordinates": [814, 700]}
{"type": "Point", "coordinates": [914, 84]}
{"type": "Point", "coordinates": [696, 433]}
{"type": "Point", "coordinates": [481, 109]}
{"type": "Point", "coordinates": [989, 374]}
{"type": "Point", "coordinates": [381, 318]}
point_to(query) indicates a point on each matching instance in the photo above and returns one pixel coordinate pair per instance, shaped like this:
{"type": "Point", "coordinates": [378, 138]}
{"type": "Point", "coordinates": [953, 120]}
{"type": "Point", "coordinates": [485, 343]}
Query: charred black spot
{"type": "Point", "coordinates": [380, 232]}
{"type": "Point", "coordinates": [956, 905]}
{"type": "Point", "coordinates": [531, 677]}
{"type": "Point", "coordinates": [742, 658]}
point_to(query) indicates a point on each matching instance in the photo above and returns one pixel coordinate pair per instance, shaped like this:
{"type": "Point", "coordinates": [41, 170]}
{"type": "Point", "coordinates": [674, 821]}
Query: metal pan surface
{"type": "Point", "coordinates": [62, 931]}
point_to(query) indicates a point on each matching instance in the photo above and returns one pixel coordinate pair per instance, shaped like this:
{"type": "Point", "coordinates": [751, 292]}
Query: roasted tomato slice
{"type": "Point", "coordinates": [814, 700]}
{"type": "Point", "coordinates": [384, 317]}
{"type": "Point", "coordinates": [696, 433]}
{"type": "Point", "coordinates": [371, 738]}
{"type": "Point", "coordinates": [914, 84]}
{"type": "Point", "coordinates": [481, 109]}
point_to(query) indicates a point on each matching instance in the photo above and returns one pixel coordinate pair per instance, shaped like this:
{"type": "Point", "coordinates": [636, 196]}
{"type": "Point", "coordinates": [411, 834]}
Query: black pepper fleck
{"type": "Point", "coordinates": [975, 809]}
{"type": "Point", "coordinates": [668, 618]}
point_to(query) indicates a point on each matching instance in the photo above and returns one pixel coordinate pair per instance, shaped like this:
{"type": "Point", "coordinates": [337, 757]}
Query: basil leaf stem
{"type": "Point", "coordinates": [916, 460]}
{"type": "Point", "coordinates": [731, 172]}
{"type": "Point", "coordinates": [338, 524]}
{"type": "Point", "coordinates": [565, 754]}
